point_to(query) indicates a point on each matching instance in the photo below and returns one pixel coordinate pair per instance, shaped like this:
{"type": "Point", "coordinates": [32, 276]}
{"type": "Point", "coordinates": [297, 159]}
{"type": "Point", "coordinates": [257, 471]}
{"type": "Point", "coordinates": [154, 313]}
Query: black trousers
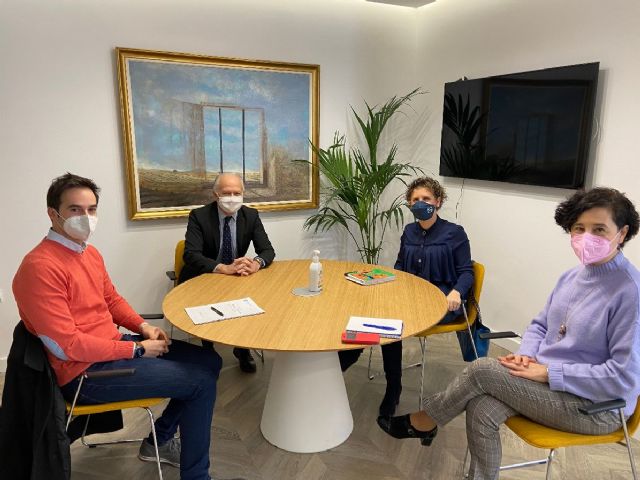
{"type": "Point", "coordinates": [391, 360]}
{"type": "Point", "coordinates": [236, 351]}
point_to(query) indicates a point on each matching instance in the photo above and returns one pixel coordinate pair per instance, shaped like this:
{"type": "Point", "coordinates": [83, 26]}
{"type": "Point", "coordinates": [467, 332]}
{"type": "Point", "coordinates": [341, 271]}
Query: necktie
{"type": "Point", "coordinates": [227, 249]}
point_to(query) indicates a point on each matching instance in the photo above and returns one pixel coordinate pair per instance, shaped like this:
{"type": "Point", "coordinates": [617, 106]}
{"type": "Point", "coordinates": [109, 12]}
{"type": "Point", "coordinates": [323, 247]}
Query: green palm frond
{"type": "Point", "coordinates": [354, 182]}
{"type": "Point", "coordinates": [377, 118]}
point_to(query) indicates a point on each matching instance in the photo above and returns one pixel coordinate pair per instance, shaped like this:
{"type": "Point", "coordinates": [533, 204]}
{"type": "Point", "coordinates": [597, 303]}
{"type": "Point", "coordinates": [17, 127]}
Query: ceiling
{"type": "Point", "coordinates": [404, 3]}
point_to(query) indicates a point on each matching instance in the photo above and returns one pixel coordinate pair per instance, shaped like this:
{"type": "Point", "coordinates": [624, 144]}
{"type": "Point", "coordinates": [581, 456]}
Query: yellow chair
{"type": "Point", "coordinates": [463, 322]}
{"type": "Point", "coordinates": [544, 437]}
{"type": "Point", "coordinates": [541, 436]}
{"type": "Point", "coordinates": [178, 263]}
{"type": "Point", "coordinates": [73, 409]}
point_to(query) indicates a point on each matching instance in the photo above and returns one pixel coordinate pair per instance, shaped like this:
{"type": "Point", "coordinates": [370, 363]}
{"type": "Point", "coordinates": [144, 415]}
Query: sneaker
{"type": "Point", "coordinates": [169, 452]}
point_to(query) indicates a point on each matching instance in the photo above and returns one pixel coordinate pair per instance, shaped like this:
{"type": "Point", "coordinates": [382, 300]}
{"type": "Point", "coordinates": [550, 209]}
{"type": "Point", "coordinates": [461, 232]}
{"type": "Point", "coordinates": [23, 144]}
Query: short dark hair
{"type": "Point", "coordinates": [428, 183]}
{"type": "Point", "coordinates": [65, 182]}
{"type": "Point", "coordinates": [622, 209]}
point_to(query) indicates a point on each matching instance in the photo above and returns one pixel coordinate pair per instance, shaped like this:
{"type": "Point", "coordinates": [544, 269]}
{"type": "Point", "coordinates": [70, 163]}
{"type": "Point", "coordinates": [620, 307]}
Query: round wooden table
{"type": "Point", "coordinates": [306, 409]}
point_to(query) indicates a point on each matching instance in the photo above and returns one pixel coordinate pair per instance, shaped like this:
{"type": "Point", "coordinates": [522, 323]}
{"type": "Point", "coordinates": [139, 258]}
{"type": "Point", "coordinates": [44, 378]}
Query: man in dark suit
{"type": "Point", "coordinates": [218, 236]}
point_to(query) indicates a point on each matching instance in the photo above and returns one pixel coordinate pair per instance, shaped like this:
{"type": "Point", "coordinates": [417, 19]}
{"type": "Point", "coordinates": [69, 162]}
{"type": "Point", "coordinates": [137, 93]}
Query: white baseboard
{"type": "Point", "coordinates": [3, 364]}
{"type": "Point", "coordinates": [510, 344]}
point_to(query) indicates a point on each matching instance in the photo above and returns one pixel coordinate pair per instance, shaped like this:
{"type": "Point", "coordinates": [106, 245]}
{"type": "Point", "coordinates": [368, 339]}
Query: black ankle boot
{"type": "Point", "coordinates": [400, 427]}
{"type": "Point", "coordinates": [390, 400]}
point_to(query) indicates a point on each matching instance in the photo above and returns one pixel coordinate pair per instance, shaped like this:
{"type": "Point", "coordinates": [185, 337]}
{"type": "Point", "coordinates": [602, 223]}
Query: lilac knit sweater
{"type": "Point", "coordinates": [598, 357]}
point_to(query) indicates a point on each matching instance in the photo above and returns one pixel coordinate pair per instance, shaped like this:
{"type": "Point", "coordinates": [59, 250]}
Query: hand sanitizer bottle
{"type": "Point", "coordinates": [315, 273]}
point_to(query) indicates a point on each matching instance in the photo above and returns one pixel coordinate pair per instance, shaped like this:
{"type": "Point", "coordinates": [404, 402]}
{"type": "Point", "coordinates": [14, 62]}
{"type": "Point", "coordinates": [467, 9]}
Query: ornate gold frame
{"type": "Point", "coordinates": [267, 183]}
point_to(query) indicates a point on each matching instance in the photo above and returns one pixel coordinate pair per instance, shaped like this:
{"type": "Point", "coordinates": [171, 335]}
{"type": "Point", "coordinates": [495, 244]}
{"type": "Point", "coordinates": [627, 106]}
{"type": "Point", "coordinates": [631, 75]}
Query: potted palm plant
{"type": "Point", "coordinates": [353, 183]}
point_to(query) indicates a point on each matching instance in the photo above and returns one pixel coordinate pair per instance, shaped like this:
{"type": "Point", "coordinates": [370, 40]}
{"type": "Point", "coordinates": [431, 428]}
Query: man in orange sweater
{"type": "Point", "coordinates": [66, 298]}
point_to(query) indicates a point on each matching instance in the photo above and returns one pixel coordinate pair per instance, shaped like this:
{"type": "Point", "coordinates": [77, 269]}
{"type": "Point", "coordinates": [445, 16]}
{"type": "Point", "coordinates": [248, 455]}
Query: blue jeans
{"type": "Point", "coordinates": [187, 374]}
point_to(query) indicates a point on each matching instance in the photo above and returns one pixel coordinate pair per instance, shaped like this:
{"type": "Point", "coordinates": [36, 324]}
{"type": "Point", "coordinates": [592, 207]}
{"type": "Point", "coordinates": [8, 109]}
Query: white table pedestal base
{"type": "Point", "coordinates": [306, 409]}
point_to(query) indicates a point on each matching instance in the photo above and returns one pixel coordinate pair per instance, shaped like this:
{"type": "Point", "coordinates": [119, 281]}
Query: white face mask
{"type": "Point", "coordinates": [230, 203]}
{"type": "Point", "coordinates": [79, 227]}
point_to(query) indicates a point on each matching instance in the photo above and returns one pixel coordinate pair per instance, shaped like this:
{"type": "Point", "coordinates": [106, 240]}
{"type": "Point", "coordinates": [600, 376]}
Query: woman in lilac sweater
{"type": "Point", "coordinates": [583, 347]}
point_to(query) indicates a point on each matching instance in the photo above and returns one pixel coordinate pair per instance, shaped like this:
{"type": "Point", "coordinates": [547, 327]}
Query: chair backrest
{"type": "Point", "coordinates": [476, 291]}
{"type": "Point", "coordinates": [178, 261]}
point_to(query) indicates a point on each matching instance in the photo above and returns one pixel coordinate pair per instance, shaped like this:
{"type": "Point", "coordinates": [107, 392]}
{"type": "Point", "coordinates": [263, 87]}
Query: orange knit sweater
{"type": "Point", "coordinates": [67, 299]}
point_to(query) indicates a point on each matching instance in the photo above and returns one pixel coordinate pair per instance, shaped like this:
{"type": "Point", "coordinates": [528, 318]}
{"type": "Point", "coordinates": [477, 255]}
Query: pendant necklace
{"type": "Point", "coordinates": [562, 331]}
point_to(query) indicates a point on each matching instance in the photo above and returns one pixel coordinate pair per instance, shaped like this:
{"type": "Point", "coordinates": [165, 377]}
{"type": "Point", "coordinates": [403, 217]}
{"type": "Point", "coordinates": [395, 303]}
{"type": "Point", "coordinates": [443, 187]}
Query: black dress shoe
{"type": "Point", "coordinates": [400, 427]}
{"type": "Point", "coordinates": [390, 401]}
{"type": "Point", "coordinates": [247, 363]}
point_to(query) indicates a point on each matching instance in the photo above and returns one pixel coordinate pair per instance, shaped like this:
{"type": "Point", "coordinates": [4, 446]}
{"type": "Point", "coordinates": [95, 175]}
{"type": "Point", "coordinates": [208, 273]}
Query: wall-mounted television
{"type": "Point", "coordinates": [531, 127]}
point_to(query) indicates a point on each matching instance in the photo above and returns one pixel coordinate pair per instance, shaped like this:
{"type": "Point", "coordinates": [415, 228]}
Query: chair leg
{"type": "Point", "coordinates": [473, 343]}
{"type": "Point", "coordinates": [136, 440]}
{"type": "Point", "coordinates": [84, 432]}
{"type": "Point", "coordinates": [465, 473]}
{"type": "Point", "coordinates": [412, 365]}
{"type": "Point", "coordinates": [110, 442]}
{"type": "Point", "coordinates": [532, 463]}
{"type": "Point", "coordinates": [260, 354]}
{"type": "Point", "coordinates": [423, 348]}
{"type": "Point", "coordinates": [628, 442]}
{"type": "Point", "coordinates": [155, 440]}
{"type": "Point", "coordinates": [73, 404]}
{"type": "Point", "coordinates": [370, 375]}
{"type": "Point", "coordinates": [552, 453]}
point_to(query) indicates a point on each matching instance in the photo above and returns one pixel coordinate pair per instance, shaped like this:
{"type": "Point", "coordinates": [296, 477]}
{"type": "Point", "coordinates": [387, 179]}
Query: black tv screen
{"type": "Point", "coordinates": [531, 127]}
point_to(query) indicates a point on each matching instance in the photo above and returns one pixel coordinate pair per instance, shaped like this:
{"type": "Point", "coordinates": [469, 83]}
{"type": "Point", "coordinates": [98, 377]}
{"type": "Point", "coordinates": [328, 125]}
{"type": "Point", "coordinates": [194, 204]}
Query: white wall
{"type": "Point", "coordinates": [511, 227]}
{"type": "Point", "coordinates": [60, 112]}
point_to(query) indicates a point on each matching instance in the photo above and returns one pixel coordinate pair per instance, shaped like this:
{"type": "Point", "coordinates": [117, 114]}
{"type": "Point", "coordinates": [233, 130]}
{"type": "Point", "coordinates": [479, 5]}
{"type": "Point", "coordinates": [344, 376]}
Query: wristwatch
{"type": "Point", "coordinates": [261, 261]}
{"type": "Point", "coordinates": [139, 350]}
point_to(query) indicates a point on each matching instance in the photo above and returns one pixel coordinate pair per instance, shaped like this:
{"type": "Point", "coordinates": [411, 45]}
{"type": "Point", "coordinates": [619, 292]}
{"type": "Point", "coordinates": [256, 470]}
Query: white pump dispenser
{"type": "Point", "coordinates": [315, 273]}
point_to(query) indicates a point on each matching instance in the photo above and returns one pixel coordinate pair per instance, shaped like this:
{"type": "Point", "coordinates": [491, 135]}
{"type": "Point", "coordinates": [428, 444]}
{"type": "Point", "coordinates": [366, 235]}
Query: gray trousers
{"type": "Point", "coordinates": [490, 395]}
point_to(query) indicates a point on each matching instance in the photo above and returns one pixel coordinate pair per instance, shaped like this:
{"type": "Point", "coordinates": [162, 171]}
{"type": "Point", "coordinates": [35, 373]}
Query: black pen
{"type": "Point", "coordinates": [217, 311]}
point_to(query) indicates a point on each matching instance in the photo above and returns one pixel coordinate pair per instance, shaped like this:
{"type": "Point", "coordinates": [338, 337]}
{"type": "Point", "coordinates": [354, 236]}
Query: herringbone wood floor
{"type": "Point", "coordinates": [239, 450]}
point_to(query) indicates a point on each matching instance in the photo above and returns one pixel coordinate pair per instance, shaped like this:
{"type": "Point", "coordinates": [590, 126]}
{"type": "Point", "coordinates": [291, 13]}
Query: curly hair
{"type": "Point", "coordinates": [430, 184]}
{"type": "Point", "coordinates": [622, 209]}
{"type": "Point", "coordinates": [65, 182]}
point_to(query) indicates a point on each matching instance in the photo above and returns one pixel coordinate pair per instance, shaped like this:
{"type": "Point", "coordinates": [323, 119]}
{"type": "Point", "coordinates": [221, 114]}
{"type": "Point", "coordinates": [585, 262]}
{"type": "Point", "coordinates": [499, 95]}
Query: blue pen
{"type": "Point", "coordinates": [381, 327]}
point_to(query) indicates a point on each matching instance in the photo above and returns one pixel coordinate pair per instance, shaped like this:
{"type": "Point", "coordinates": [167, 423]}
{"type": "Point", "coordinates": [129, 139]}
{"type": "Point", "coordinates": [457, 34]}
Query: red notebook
{"type": "Point", "coordinates": [361, 338]}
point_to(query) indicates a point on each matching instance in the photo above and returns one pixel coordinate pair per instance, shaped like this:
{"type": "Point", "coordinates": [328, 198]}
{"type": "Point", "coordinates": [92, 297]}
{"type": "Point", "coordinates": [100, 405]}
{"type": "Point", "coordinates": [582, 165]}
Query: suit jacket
{"type": "Point", "coordinates": [202, 240]}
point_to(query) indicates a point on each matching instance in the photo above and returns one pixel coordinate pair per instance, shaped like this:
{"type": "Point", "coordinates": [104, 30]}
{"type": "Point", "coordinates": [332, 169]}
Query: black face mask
{"type": "Point", "coordinates": [422, 210]}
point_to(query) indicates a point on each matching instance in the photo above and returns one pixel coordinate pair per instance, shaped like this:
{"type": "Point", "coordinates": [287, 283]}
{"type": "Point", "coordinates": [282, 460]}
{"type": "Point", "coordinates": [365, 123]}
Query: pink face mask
{"type": "Point", "coordinates": [591, 248]}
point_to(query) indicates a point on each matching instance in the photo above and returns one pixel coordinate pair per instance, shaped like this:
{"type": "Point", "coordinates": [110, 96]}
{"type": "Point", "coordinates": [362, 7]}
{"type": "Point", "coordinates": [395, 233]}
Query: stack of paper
{"type": "Point", "coordinates": [215, 312]}
{"type": "Point", "coordinates": [388, 328]}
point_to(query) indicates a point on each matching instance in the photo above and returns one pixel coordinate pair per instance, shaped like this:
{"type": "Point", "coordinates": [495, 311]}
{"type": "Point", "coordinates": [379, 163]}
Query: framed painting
{"type": "Point", "coordinates": [187, 118]}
